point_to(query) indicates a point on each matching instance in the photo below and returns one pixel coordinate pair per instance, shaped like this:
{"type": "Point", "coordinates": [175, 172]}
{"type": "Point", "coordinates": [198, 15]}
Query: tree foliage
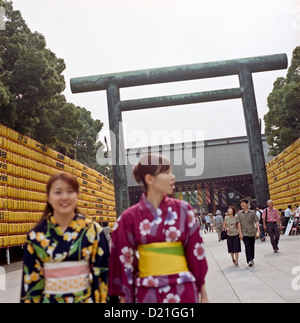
{"type": "Point", "coordinates": [31, 99]}
{"type": "Point", "coordinates": [283, 119]}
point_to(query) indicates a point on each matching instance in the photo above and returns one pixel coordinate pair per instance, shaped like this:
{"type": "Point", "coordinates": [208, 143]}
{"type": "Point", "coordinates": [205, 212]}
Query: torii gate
{"type": "Point", "coordinates": [243, 67]}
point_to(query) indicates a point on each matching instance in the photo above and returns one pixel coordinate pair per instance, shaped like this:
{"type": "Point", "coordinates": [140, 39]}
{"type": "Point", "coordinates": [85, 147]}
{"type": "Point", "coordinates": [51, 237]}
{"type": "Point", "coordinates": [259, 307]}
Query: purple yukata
{"type": "Point", "coordinates": [154, 239]}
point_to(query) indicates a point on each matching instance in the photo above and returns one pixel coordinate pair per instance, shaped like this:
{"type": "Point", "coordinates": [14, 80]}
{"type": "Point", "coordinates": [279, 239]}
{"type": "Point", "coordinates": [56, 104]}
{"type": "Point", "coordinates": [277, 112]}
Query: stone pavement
{"type": "Point", "coordinates": [268, 281]}
{"type": "Point", "coordinates": [13, 283]}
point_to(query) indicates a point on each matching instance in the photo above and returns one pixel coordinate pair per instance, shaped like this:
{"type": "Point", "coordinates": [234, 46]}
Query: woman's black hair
{"type": "Point", "coordinates": [152, 164]}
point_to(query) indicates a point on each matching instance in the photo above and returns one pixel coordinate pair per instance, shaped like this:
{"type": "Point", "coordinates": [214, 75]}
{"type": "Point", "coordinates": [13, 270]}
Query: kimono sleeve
{"type": "Point", "coordinates": [33, 281]}
{"type": "Point", "coordinates": [122, 266]}
{"type": "Point", "coordinates": [99, 265]}
{"type": "Point", "coordinates": [194, 247]}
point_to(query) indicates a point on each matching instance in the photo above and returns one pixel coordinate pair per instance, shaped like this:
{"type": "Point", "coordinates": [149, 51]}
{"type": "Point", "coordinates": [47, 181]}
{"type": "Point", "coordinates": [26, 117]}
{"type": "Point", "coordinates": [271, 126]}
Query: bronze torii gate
{"type": "Point", "coordinates": [242, 67]}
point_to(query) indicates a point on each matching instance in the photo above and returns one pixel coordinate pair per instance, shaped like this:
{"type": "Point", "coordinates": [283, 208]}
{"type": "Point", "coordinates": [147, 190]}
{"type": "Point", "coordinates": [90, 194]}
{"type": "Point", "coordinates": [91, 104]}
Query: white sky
{"type": "Point", "coordinates": [105, 36]}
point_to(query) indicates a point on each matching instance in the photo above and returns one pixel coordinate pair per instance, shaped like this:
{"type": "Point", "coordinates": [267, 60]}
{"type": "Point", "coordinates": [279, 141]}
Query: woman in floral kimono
{"type": "Point", "coordinates": [66, 255]}
{"type": "Point", "coordinates": [157, 253]}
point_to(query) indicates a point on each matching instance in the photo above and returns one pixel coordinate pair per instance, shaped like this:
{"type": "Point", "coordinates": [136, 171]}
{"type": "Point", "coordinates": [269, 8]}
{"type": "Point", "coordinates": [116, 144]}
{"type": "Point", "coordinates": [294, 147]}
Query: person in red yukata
{"type": "Point", "coordinates": [157, 251]}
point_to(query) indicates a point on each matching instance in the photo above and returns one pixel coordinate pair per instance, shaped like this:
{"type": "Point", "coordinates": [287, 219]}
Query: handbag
{"type": "Point", "coordinates": [224, 235]}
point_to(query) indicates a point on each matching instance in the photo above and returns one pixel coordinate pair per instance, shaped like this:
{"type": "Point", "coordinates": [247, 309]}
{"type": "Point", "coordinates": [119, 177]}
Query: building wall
{"type": "Point", "coordinates": [224, 176]}
{"type": "Point", "coordinates": [201, 160]}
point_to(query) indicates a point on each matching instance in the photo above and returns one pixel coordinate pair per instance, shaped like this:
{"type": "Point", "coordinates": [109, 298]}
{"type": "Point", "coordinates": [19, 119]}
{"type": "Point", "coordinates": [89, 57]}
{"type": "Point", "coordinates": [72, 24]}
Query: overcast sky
{"type": "Point", "coordinates": [106, 36]}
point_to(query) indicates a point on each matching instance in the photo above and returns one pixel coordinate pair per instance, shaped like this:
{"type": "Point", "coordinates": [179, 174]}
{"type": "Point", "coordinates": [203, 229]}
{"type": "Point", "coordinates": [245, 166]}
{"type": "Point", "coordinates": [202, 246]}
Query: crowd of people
{"type": "Point", "coordinates": [248, 225]}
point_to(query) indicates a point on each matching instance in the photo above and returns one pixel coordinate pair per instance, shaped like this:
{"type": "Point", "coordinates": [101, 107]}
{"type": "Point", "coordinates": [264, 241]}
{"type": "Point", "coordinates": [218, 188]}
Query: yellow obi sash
{"type": "Point", "coordinates": [161, 258]}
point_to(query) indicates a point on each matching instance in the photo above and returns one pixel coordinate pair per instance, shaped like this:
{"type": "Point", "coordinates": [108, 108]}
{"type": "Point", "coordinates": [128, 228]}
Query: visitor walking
{"type": "Point", "coordinates": [233, 239]}
{"type": "Point", "coordinates": [218, 223]}
{"type": "Point", "coordinates": [287, 215]}
{"type": "Point", "coordinates": [207, 222]}
{"type": "Point", "coordinates": [297, 215]}
{"type": "Point", "coordinates": [66, 255]}
{"type": "Point", "coordinates": [171, 266]}
{"type": "Point", "coordinates": [247, 226]}
{"type": "Point", "coordinates": [282, 219]}
{"type": "Point", "coordinates": [272, 222]}
{"type": "Point", "coordinates": [203, 224]}
{"type": "Point", "coordinates": [259, 213]}
{"type": "Point", "coordinates": [212, 226]}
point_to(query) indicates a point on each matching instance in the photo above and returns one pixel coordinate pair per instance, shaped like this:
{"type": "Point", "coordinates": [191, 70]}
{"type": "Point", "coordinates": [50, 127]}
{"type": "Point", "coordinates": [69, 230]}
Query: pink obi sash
{"type": "Point", "coordinates": [66, 277]}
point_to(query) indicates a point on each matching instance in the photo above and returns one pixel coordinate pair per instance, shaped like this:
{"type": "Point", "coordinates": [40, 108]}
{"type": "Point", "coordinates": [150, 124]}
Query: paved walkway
{"type": "Point", "coordinates": [13, 283]}
{"type": "Point", "coordinates": [269, 280]}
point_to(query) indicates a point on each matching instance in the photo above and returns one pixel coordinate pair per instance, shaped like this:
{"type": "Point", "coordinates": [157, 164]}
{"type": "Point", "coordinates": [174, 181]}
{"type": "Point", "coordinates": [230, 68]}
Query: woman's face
{"type": "Point", "coordinates": [230, 211]}
{"type": "Point", "coordinates": [163, 182]}
{"type": "Point", "coordinates": [62, 197]}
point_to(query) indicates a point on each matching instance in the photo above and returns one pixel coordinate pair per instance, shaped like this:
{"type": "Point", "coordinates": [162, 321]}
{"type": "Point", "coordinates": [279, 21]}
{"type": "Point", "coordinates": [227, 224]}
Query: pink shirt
{"type": "Point", "coordinates": [273, 215]}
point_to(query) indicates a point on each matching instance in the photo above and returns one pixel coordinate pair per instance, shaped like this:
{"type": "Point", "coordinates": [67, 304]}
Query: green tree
{"type": "Point", "coordinates": [31, 83]}
{"type": "Point", "coordinates": [282, 122]}
{"type": "Point", "coordinates": [86, 145]}
{"type": "Point", "coordinates": [30, 73]}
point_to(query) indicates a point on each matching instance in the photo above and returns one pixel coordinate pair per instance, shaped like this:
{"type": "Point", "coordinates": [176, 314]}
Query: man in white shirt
{"type": "Point", "coordinates": [259, 213]}
{"type": "Point", "coordinates": [287, 215]}
{"type": "Point", "coordinates": [297, 211]}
